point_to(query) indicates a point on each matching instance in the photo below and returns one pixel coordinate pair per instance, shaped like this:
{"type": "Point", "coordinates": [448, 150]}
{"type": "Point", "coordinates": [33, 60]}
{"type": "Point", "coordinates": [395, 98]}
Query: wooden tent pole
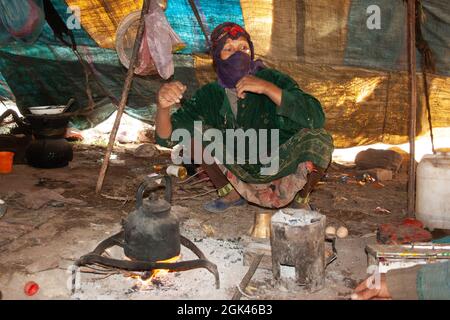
{"type": "Point", "coordinates": [124, 98]}
{"type": "Point", "coordinates": [413, 104]}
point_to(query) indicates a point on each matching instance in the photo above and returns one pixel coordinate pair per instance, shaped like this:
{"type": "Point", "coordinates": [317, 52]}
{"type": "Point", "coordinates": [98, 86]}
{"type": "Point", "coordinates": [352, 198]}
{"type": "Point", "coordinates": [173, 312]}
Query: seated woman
{"type": "Point", "coordinates": [247, 95]}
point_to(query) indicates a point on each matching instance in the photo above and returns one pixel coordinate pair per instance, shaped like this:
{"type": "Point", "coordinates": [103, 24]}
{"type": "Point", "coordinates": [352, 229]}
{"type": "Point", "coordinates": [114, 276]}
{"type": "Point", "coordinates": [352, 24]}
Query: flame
{"type": "Point", "coordinates": [148, 278]}
{"type": "Point", "coordinates": [163, 272]}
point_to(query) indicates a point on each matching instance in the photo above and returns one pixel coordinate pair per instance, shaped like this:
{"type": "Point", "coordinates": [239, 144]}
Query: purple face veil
{"type": "Point", "coordinates": [238, 65]}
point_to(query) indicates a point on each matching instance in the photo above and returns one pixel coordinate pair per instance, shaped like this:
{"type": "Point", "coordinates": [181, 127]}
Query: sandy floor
{"type": "Point", "coordinates": [41, 238]}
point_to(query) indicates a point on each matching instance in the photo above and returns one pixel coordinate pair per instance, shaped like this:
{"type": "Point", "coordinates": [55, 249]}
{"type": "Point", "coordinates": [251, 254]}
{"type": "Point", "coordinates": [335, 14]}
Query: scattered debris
{"type": "Point", "coordinates": [3, 208]}
{"type": "Point", "coordinates": [378, 174]}
{"type": "Point", "coordinates": [340, 199]}
{"type": "Point", "coordinates": [209, 230]}
{"type": "Point", "coordinates": [125, 199]}
{"type": "Point", "coordinates": [344, 178]}
{"type": "Point", "coordinates": [382, 210]}
{"type": "Point", "coordinates": [367, 178]}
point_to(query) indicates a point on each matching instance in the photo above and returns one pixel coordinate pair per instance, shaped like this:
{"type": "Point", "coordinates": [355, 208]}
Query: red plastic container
{"type": "Point", "coordinates": [6, 161]}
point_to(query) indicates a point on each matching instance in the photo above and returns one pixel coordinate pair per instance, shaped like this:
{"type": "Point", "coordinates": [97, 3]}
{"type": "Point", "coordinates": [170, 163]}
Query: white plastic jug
{"type": "Point", "coordinates": [433, 191]}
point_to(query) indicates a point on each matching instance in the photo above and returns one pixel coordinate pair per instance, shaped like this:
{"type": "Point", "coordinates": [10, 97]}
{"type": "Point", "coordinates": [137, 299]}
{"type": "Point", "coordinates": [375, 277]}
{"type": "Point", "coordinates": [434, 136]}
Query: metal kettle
{"type": "Point", "coordinates": [152, 232]}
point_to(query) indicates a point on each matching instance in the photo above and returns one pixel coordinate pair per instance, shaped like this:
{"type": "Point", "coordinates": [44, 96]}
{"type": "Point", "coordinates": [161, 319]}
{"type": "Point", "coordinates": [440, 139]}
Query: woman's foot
{"type": "Point", "coordinates": [233, 199]}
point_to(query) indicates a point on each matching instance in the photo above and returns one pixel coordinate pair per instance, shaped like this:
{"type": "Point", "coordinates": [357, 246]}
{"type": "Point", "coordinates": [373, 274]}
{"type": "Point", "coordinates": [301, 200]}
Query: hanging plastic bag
{"type": "Point", "coordinates": [159, 41]}
{"type": "Point", "coordinates": [21, 19]}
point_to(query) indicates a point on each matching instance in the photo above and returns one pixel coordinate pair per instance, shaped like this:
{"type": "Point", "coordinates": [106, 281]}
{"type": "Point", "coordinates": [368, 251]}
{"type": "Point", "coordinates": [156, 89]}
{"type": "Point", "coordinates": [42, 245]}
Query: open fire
{"type": "Point", "coordinates": [140, 269]}
{"type": "Point", "coordinates": [153, 277]}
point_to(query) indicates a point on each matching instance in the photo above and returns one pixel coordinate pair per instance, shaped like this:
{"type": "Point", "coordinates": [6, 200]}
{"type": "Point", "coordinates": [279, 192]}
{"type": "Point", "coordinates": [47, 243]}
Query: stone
{"type": "Point", "coordinates": [373, 158]}
{"type": "Point", "coordinates": [146, 150]}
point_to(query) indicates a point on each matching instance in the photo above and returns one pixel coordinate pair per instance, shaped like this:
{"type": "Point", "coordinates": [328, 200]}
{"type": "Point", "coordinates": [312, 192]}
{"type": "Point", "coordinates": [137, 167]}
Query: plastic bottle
{"type": "Point", "coordinates": [433, 191]}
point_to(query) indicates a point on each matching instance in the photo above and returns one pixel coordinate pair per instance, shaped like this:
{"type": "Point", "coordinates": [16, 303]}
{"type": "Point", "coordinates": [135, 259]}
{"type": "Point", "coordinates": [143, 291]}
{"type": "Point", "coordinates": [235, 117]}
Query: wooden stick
{"type": "Point", "coordinates": [197, 195]}
{"type": "Point", "coordinates": [248, 276]}
{"type": "Point", "coordinates": [124, 98]}
{"type": "Point", "coordinates": [413, 105]}
{"type": "Point", "coordinates": [116, 198]}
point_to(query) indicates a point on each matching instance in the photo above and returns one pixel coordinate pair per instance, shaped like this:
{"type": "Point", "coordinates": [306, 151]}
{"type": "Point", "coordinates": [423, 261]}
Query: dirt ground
{"type": "Point", "coordinates": [55, 216]}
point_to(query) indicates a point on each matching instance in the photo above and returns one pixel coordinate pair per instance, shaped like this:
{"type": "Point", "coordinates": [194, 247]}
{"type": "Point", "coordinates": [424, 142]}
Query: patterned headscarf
{"type": "Point", "coordinates": [225, 31]}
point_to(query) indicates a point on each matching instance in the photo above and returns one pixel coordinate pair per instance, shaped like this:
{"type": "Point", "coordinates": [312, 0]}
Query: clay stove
{"type": "Point", "coordinates": [49, 149]}
{"type": "Point", "coordinates": [298, 247]}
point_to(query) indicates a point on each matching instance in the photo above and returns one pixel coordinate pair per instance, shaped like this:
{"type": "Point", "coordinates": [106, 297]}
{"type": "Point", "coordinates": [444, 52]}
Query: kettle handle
{"type": "Point", "coordinates": [145, 184]}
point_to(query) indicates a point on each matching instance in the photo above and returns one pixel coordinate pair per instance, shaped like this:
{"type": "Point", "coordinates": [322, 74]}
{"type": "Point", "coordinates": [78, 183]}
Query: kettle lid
{"type": "Point", "coordinates": [158, 205]}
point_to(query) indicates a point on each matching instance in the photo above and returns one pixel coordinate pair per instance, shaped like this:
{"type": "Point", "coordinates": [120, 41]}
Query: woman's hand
{"type": "Point", "coordinates": [170, 94]}
{"type": "Point", "coordinates": [259, 86]}
{"type": "Point", "coordinates": [369, 289]}
{"type": "Point", "coordinates": [251, 84]}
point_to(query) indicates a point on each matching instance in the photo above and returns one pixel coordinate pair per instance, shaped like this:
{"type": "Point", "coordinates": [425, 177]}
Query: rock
{"type": "Point", "coordinates": [146, 150]}
{"type": "Point", "coordinates": [373, 158]}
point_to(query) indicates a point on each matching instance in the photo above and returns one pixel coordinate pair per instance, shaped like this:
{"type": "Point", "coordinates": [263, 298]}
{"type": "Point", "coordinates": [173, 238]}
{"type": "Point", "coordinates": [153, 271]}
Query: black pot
{"type": "Point", "coordinates": [49, 153]}
{"type": "Point", "coordinates": [44, 126]}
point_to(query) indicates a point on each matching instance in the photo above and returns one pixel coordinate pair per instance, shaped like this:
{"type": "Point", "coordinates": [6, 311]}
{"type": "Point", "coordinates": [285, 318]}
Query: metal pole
{"type": "Point", "coordinates": [124, 98]}
{"type": "Point", "coordinates": [413, 104]}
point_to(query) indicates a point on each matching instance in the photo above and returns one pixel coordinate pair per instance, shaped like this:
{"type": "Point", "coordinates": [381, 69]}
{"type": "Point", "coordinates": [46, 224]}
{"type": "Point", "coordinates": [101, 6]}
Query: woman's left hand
{"type": "Point", "coordinates": [252, 84]}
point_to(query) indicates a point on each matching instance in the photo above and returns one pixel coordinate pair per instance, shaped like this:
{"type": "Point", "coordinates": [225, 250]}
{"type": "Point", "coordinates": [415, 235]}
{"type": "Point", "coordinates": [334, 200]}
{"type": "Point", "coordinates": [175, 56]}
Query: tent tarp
{"type": "Point", "coordinates": [357, 73]}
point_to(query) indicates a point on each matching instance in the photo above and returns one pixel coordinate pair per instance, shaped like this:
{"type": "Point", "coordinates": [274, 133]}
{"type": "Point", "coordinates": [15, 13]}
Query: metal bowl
{"type": "Point", "coordinates": [43, 110]}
